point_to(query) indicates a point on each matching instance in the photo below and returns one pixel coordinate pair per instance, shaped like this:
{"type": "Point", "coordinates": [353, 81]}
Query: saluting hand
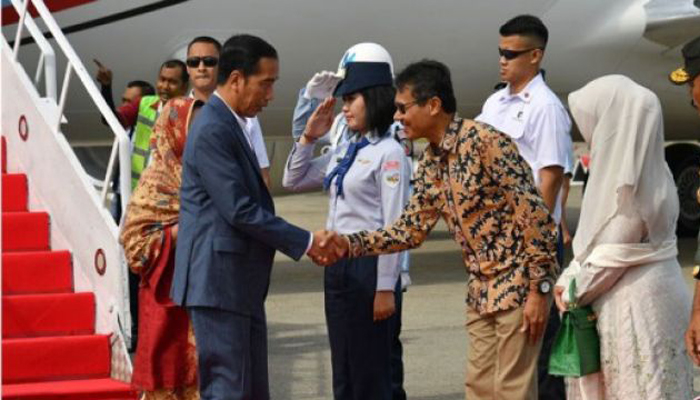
{"type": "Point", "coordinates": [321, 85]}
{"type": "Point", "coordinates": [320, 121]}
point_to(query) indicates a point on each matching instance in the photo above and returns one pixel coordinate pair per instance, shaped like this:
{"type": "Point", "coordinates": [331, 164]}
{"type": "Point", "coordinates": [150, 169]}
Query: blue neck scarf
{"type": "Point", "coordinates": [344, 166]}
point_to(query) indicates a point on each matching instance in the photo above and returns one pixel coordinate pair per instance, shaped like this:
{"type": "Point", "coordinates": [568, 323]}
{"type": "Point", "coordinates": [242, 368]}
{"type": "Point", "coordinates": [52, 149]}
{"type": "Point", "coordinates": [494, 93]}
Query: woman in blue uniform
{"type": "Point", "coordinates": [367, 178]}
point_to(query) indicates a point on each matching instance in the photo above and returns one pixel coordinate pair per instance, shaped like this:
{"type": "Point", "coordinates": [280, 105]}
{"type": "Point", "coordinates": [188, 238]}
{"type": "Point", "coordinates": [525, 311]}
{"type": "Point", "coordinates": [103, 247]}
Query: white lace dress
{"type": "Point", "coordinates": [642, 310]}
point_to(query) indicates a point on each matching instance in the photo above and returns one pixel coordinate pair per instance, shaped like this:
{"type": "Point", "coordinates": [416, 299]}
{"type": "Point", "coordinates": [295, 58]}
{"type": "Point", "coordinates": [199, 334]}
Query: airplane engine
{"type": "Point", "coordinates": [684, 161]}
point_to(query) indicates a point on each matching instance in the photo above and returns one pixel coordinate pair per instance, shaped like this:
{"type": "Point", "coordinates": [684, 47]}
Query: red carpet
{"type": "Point", "coordinates": [37, 272]}
{"type": "Point", "coordinates": [86, 389]}
{"type": "Point", "coordinates": [48, 315]}
{"type": "Point", "coordinates": [14, 193]}
{"type": "Point", "coordinates": [49, 347]}
{"type": "Point", "coordinates": [25, 231]}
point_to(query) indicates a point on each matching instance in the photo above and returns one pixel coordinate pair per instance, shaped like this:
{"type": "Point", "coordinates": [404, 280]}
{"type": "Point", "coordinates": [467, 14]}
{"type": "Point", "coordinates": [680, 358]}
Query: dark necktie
{"type": "Point", "coordinates": [344, 166]}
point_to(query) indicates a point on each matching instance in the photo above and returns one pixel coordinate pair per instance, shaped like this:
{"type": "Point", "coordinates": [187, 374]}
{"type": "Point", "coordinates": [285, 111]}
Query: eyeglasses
{"type": "Point", "coordinates": [403, 107]}
{"type": "Point", "coordinates": [511, 54]}
{"type": "Point", "coordinates": [209, 61]}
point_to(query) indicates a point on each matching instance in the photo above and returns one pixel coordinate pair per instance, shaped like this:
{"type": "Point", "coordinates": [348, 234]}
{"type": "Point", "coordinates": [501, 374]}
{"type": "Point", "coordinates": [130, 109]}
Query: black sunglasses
{"type": "Point", "coordinates": [403, 107]}
{"type": "Point", "coordinates": [209, 61]}
{"type": "Point", "coordinates": [511, 54]}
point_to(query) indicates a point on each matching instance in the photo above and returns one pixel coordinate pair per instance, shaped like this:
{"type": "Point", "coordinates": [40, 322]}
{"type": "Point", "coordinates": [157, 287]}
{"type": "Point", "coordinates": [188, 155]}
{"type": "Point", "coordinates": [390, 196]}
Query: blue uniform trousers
{"type": "Point", "coordinates": [397, 391]}
{"type": "Point", "coordinates": [361, 349]}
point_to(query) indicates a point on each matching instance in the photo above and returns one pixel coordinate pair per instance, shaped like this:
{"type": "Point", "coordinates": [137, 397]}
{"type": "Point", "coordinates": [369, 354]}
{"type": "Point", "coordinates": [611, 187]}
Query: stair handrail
{"type": "Point", "coordinates": [47, 59]}
{"type": "Point", "coordinates": [121, 144]}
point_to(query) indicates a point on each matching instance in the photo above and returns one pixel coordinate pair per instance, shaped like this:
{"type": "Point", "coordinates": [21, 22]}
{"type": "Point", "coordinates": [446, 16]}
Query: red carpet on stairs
{"type": "Point", "coordinates": [24, 231]}
{"type": "Point", "coordinates": [14, 199]}
{"type": "Point", "coordinates": [37, 272]}
{"type": "Point", "coordinates": [48, 315]}
{"type": "Point", "coordinates": [49, 347]}
{"type": "Point", "coordinates": [76, 389]}
{"type": "Point", "coordinates": [55, 358]}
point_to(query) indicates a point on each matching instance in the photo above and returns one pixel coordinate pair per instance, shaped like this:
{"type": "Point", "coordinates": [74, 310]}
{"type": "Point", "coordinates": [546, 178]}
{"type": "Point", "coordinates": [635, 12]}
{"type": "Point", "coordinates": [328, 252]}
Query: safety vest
{"type": "Point", "coordinates": [142, 137]}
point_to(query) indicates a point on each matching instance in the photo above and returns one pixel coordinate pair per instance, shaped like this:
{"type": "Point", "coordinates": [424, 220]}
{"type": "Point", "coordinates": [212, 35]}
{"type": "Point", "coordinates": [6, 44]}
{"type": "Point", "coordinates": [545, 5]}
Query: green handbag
{"type": "Point", "coordinates": [576, 348]}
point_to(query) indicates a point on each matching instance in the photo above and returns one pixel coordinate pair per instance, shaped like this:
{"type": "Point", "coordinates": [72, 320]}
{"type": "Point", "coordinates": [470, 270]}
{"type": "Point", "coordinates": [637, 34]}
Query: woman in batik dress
{"type": "Point", "coordinates": [165, 365]}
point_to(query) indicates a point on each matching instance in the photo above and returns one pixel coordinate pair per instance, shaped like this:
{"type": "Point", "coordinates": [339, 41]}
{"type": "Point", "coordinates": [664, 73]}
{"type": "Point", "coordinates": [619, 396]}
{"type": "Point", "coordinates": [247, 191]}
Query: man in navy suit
{"type": "Point", "coordinates": [228, 231]}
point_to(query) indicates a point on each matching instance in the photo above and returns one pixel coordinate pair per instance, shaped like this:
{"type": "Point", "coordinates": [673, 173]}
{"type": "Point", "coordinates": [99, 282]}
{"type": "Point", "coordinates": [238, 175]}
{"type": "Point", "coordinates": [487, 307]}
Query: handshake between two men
{"type": "Point", "coordinates": [328, 247]}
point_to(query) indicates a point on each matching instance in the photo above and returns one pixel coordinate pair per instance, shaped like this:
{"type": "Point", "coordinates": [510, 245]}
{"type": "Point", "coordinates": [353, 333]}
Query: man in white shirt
{"type": "Point", "coordinates": [534, 117]}
{"type": "Point", "coordinates": [203, 67]}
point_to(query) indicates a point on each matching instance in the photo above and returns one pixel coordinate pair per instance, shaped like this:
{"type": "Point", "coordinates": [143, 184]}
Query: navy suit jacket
{"type": "Point", "coordinates": [228, 231]}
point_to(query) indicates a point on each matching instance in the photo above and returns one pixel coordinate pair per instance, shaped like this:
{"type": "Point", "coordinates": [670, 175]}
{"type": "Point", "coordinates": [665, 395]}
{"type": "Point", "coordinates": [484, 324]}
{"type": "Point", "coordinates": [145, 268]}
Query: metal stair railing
{"type": "Point", "coordinates": [47, 59]}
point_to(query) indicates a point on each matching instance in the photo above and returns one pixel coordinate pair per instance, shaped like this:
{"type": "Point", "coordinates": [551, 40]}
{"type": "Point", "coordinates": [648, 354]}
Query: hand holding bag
{"type": "Point", "coordinates": [576, 348]}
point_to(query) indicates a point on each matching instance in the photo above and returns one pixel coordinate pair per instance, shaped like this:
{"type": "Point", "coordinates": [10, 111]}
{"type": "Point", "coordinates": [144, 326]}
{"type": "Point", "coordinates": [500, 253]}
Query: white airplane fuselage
{"type": "Point", "coordinates": [588, 39]}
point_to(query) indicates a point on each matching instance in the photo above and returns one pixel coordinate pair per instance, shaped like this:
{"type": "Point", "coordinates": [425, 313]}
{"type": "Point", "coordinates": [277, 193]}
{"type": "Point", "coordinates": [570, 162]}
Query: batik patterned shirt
{"type": "Point", "coordinates": [480, 185]}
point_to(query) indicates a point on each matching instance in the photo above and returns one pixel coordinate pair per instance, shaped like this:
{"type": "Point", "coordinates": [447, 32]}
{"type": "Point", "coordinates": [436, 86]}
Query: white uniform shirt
{"type": "Point", "coordinates": [254, 134]}
{"type": "Point", "coordinates": [537, 122]}
{"type": "Point", "coordinates": [375, 190]}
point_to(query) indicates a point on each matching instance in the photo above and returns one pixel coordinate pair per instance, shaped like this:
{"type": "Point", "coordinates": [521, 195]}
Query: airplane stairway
{"type": "Point", "coordinates": [49, 346]}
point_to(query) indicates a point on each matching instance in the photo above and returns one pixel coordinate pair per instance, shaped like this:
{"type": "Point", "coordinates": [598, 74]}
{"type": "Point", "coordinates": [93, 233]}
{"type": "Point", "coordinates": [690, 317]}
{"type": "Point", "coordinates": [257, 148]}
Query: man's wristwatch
{"type": "Point", "coordinates": [544, 287]}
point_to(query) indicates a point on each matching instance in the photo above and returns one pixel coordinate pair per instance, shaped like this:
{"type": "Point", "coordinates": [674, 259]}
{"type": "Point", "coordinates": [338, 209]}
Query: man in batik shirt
{"type": "Point", "coordinates": [473, 177]}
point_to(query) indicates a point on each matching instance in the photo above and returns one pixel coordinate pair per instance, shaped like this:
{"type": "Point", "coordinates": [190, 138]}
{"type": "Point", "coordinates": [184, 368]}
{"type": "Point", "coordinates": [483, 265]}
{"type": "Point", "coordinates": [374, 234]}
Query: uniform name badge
{"type": "Point", "coordinates": [519, 116]}
{"type": "Point", "coordinates": [392, 179]}
{"type": "Point", "coordinates": [391, 173]}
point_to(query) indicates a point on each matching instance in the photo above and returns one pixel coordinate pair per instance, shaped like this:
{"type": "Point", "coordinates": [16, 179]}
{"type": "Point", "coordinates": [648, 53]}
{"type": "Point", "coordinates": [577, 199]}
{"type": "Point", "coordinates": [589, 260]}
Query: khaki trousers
{"type": "Point", "coordinates": [501, 364]}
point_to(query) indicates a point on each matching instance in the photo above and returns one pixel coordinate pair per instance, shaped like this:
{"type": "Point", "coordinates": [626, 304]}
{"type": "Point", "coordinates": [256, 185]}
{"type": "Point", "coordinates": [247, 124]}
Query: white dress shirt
{"type": "Point", "coordinates": [537, 122]}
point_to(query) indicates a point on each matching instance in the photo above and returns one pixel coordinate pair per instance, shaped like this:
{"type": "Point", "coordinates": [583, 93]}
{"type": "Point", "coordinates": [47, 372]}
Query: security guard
{"type": "Point", "coordinates": [367, 176]}
{"type": "Point", "coordinates": [529, 112]}
{"type": "Point", "coordinates": [690, 74]}
{"type": "Point", "coordinates": [149, 108]}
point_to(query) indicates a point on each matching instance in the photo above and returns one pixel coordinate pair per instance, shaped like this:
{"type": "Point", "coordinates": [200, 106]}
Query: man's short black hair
{"type": "Point", "coordinates": [145, 87]}
{"type": "Point", "coordinates": [529, 26]}
{"type": "Point", "coordinates": [242, 53]}
{"type": "Point", "coordinates": [205, 39]}
{"type": "Point", "coordinates": [379, 107]}
{"type": "Point", "coordinates": [177, 64]}
{"type": "Point", "coordinates": [427, 79]}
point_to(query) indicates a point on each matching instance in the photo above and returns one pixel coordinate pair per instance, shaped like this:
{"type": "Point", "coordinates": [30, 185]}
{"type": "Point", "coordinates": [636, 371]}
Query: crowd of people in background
{"type": "Point", "coordinates": [200, 230]}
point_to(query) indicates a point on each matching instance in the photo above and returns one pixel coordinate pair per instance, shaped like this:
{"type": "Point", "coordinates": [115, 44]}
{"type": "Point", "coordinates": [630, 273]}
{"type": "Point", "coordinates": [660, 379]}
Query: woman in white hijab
{"type": "Point", "coordinates": [625, 248]}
